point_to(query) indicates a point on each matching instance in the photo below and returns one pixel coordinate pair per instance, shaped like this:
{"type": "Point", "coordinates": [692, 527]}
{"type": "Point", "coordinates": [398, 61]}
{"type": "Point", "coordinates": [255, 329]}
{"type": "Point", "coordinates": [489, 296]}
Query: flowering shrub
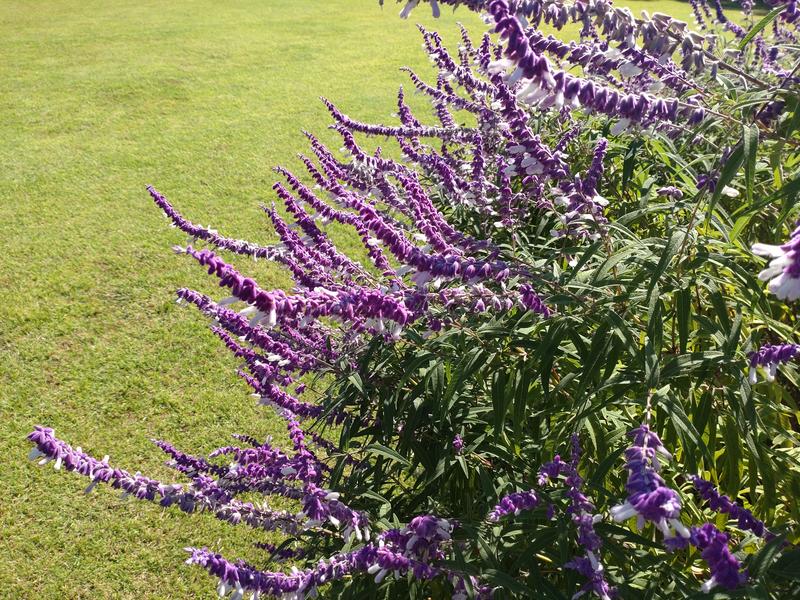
{"type": "Point", "coordinates": [568, 261]}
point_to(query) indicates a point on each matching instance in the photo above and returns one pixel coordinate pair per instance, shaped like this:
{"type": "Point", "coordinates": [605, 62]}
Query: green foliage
{"type": "Point", "coordinates": [664, 309]}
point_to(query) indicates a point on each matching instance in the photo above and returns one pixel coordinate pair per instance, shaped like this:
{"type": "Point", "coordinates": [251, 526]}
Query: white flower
{"type": "Point", "coordinates": [629, 69]}
{"type": "Point", "coordinates": [708, 585]}
{"type": "Point", "coordinates": [620, 126]}
{"type": "Point", "coordinates": [498, 66]}
{"type": "Point", "coordinates": [730, 192]}
{"type": "Point", "coordinates": [781, 283]}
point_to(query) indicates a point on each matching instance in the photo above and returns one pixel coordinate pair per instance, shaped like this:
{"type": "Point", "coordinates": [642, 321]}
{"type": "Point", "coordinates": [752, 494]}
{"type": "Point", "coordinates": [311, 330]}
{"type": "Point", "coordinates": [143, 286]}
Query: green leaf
{"type": "Point", "coordinates": [630, 161]}
{"type": "Point", "coordinates": [733, 458]}
{"type": "Point", "coordinates": [692, 440]}
{"type": "Point", "coordinates": [500, 401]}
{"type": "Point", "coordinates": [787, 566]}
{"type": "Point", "coordinates": [683, 310]}
{"type": "Point", "coordinates": [670, 250]}
{"type": "Point", "coordinates": [762, 561]}
{"type": "Point", "coordinates": [507, 582]}
{"type": "Point", "coordinates": [382, 450]}
{"type": "Point", "coordinates": [726, 175]}
{"type": "Point", "coordinates": [749, 147]}
{"type": "Point", "coordinates": [758, 27]}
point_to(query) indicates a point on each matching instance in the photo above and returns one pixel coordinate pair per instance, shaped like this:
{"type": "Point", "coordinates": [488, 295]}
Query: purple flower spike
{"type": "Point", "coordinates": [458, 444]}
{"type": "Point", "coordinates": [769, 357]}
{"type": "Point", "coordinates": [551, 470]}
{"type": "Point", "coordinates": [591, 569]}
{"type": "Point", "coordinates": [582, 511]}
{"type": "Point", "coordinates": [723, 504]}
{"type": "Point", "coordinates": [514, 504]}
{"type": "Point", "coordinates": [649, 498]}
{"type": "Point", "coordinates": [726, 570]}
{"type": "Point", "coordinates": [203, 494]}
{"type": "Point", "coordinates": [208, 234]}
{"type": "Point", "coordinates": [414, 549]}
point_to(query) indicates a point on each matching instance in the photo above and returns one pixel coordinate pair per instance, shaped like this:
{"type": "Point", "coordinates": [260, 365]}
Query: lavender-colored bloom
{"type": "Point", "coordinates": [726, 570]}
{"type": "Point", "coordinates": [204, 494]}
{"type": "Point", "coordinates": [188, 464]}
{"type": "Point", "coordinates": [649, 498]}
{"type": "Point", "coordinates": [514, 503]}
{"type": "Point", "coordinates": [551, 470]}
{"type": "Point", "coordinates": [208, 234]}
{"type": "Point", "coordinates": [723, 504]}
{"type": "Point", "coordinates": [415, 549]}
{"type": "Point", "coordinates": [322, 505]}
{"type": "Point", "coordinates": [670, 192]}
{"type": "Point", "coordinates": [697, 12]}
{"type": "Point", "coordinates": [769, 357]}
{"type": "Point", "coordinates": [580, 201]}
{"type": "Point", "coordinates": [548, 87]}
{"type": "Point", "coordinates": [261, 469]}
{"type": "Point", "coordinates": [283, 349]}
{"type": "Point", "coordinates": [458, 444]}
{"type": "Point", "coordinates": [581, 510]}
{"type": "Point", "coordinates": [592, 570]}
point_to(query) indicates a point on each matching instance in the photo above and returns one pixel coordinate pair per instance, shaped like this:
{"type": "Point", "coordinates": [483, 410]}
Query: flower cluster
{"type": "Point", "coordinates": [769, 357]}
{"type": "Point", "coordinates": [514, 503]}
{"type": "Point", "coordinates": [722, 503]}
{"type": "Point", "coordinates": [395, 553]}
{"type": "Point", "coordinates": [726, 570]}
{"type": "Point", "coordinates": [262, 468]}
{"type": "Point", "coordinates": [783, 272]}
{"type": "Point", "coordinates": [649, 499]}
{"type": "Point", "coordinates": [582, 512]}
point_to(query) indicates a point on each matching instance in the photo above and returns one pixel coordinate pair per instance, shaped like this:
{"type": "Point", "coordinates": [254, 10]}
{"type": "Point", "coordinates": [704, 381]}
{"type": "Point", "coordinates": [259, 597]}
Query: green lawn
{"type": "Point", "coordinates": [98, 99]}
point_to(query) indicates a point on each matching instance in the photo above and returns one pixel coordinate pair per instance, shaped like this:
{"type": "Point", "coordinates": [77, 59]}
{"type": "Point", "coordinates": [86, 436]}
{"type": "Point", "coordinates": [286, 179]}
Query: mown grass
{"type": "Point", "coordinates": [99, 98]}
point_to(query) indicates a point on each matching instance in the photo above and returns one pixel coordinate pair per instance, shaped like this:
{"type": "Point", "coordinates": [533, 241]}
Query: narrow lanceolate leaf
{"type": "Point", "coordinates": [728, 170]}
{"type": "Point", "coordinates": [759, 27]}
{"type": "Point", "coordinates": [389, 453]}
{"type": "Point", "coordinates": [750, 149]}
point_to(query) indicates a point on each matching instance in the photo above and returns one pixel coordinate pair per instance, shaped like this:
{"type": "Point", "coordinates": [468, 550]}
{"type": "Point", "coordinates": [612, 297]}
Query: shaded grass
{"type": "Point", "coordinates": [99, 98]}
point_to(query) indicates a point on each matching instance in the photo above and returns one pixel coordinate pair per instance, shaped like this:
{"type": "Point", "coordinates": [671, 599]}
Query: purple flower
{"type": "Point", "coordinates": [769, 357]}
{"type": "Point", "coordinates": [670, 192]}
{"type": "Point", "coordinates": [581, 204]}
{"type": "Point", "coordinates": [723, 504]}
{"type": "Point", "coordinates": [547, 87]}
{"type": "Point", "coordinates": [203, 494]}
{"type": "Point", "coordinates": [726, 570]}
{"type": "Point", "coordinates": [649, 498]}
{"type": "Point", "coordinates": [514, 503]}
{"type": "Point", "coordinates": [414, 549]}
{"type": "Point", "coordinates": [582, 511]}
{"type": "Point", "coordinates": [458, 444]}
{"type": "Point", "coordinates": [592, 570]}
{"type": "Point", "coordinates": [551, 470]}
{"type": "Point", "coordinates": [208, 234]}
